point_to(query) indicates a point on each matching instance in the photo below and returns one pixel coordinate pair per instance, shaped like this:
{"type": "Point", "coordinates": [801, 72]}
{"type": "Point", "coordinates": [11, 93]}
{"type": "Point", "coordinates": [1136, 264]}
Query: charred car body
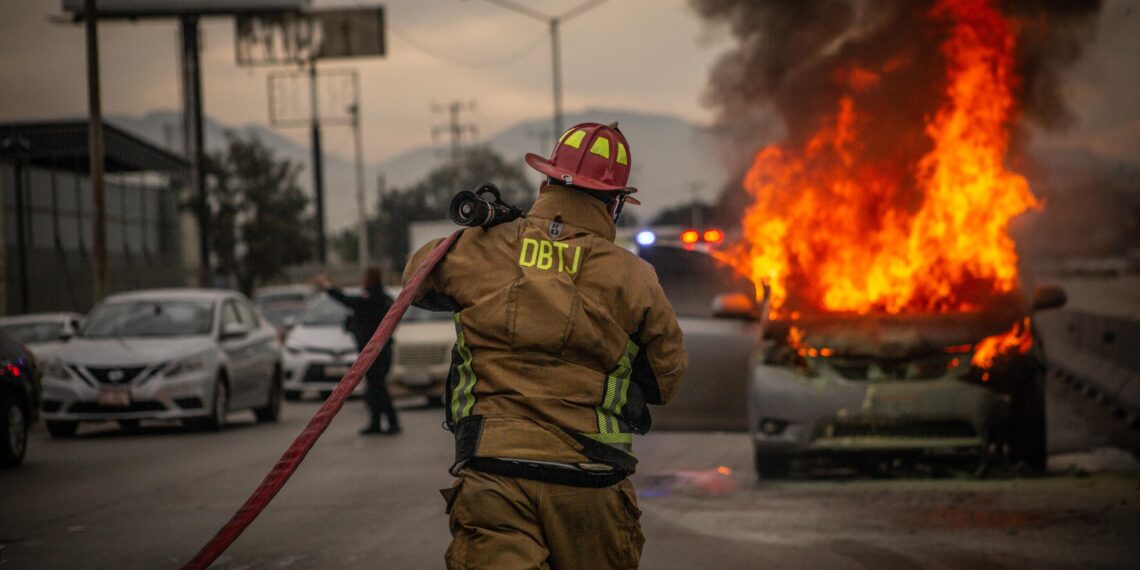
{"type": "Point", "coordinates": [964, 382]}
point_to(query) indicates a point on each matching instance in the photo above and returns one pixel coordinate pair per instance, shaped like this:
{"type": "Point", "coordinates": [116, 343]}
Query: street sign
{"type": "Point", "coordinates": [162, 8]}
{"type": "Point", "coordinates": [298, 38]}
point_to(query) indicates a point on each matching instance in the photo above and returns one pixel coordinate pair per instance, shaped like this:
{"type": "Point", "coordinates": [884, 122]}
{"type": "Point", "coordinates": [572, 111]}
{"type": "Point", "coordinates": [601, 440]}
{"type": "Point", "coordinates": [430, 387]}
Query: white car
{"type": "Point", "coordinates": [167, 354]}
{"type": "Point", "coordinates": [42, 333]}
{"type": "Point", "coordinates": [318, 351]}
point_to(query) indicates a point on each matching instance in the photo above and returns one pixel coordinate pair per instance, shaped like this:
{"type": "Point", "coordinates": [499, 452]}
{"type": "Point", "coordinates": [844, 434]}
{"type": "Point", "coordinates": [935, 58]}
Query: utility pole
{"type": "Point", "coordinates": [362, 247]}
{"type": "Point", "coordinates": [454, 127]}
{"type": "Point", "coordinates": [318, 165]}
{"type": "Point", "coordinates": [193, 136]}
{"type": "Point", "coordinates": [95, 150]}
{"type": "Point", "coordinates": [555, 25]}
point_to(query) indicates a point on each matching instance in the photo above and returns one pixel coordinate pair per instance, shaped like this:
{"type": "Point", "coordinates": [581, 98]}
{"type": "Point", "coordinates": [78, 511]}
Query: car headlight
{"type": "Point", "coordinates": [187, 365]}
{"type": "Point", "coordinates": [294, 348]}
{"type": "Point", "coordinates": [56, 370]}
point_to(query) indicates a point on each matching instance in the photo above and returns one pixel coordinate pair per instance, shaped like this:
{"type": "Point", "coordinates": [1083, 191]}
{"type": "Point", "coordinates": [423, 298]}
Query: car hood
{"type": "Point", "coordinates": [442, 332]}
{"type": "Point", "coordinates": [131, 351]}
{"type": "Point", "coordinates": [332, 337]}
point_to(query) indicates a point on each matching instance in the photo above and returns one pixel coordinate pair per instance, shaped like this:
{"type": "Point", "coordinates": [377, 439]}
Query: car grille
{"type": "Point", "coordinates": [94, 408]}
{"type": "Point", "coordinates": [189, 403]}
{"type": "Point", "coordinates": [334, 352]}
{"type": "Point", "coordinates": [121, 374]}
{"type": "Point", "coordinates": [419, 355]}
{"type": "Point", "coordinates": [927, 429]}
{"type": "Point", "coordinates": [316, 373]}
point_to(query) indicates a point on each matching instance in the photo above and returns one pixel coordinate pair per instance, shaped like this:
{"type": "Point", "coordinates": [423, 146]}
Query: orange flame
{"type": "Point", "coordinates": [837, 233]}
{"type": "Point", "coordinates": [1017, 339]}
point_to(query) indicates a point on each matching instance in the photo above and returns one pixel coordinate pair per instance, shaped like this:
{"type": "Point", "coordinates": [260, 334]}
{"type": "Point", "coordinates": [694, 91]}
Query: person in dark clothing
{"type": "Point", "coordinates": [367, 312]}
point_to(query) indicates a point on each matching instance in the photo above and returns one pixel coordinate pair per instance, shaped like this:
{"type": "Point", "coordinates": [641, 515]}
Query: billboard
{"type": "Point", "coordinates": [295, 38]}
{"type": "Point", "coordinates": [157, 8]}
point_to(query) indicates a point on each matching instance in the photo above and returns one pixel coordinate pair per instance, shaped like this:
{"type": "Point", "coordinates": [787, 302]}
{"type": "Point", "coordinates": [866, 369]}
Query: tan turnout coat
{"type": "Point", "coordinates": [562, 337]}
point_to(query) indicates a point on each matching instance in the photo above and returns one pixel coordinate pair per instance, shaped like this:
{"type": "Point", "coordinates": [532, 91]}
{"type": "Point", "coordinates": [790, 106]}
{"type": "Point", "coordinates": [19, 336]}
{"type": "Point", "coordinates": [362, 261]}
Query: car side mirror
{"type": "Point", "coordinates": [289, 323]}
{"type": "Point", "coordinates": [234, 331]}
{"type": "Point", "coordinates": [1047, 297]}
{"type": "Point", "coordinates": [734, 306]}
{"type": "Point", "coordinates": [66, 335]}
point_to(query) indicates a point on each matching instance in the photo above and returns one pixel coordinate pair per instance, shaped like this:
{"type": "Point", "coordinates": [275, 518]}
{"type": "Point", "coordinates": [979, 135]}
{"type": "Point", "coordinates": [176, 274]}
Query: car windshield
{"type": "Point", "coordinates": [324, 311]}
{"type": "Point", "coordinates": [277, 313]}
{"type": "Point", "coordinates": [693, 279]}
{"type": "Point", "coordinates": [265, 299]}
{"type": "Point", "coordinates": [31, 333]}
{"type": "Point", "coordinates": [150, 318]}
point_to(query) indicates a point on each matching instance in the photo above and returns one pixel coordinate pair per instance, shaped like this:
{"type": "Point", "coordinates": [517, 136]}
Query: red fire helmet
{"type": "Point", "coordinates": [591, 156]}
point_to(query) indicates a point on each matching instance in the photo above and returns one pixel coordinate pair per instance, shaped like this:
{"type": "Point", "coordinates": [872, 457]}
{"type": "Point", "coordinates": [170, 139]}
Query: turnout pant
{"type": "Point", "coordinates": [507, 522]}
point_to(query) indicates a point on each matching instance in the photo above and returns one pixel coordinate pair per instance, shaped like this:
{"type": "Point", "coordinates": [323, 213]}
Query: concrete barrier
{"type": "Point", "coordinates": [1100, 353]}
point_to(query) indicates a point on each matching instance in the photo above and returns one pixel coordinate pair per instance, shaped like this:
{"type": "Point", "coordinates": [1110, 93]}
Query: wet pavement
{"type": "Point", "coordinates": [150, 498]}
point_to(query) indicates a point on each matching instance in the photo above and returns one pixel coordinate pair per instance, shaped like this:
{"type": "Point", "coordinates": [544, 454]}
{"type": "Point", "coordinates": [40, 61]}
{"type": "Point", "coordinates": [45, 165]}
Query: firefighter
{"type": "Point", "coordinates": [562, 339]}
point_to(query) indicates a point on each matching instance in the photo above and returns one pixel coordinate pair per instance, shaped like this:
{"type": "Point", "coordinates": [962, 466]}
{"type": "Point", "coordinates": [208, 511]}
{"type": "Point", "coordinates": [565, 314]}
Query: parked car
{"type": "Point", "coordinates": [168, 354]}
{"type": "Point", "coordinates": [318, 351]}
{"type": "Point", "coordinates": [902, 385]}
{"type": "Point", "coordinates": [19, 399]}
{"type": "Point", "coordinates": [42, 333]}
{"type": "Point", "coordinates": [282, 305]}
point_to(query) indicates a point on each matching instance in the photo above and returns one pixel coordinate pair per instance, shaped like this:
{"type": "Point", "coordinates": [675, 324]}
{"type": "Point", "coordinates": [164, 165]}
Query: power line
{"type": "Point", "coordinates": [449, 59]}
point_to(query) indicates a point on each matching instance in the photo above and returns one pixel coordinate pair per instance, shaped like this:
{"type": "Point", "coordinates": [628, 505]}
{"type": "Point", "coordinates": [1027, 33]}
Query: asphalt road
{"type": "Point", "coordinates": [151, 498]}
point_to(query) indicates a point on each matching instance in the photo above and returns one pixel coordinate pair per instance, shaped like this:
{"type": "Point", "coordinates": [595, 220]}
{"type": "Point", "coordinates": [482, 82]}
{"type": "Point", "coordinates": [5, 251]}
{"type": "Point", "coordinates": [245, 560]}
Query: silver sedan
{"type": "Point", "coordinates": [171, 354]}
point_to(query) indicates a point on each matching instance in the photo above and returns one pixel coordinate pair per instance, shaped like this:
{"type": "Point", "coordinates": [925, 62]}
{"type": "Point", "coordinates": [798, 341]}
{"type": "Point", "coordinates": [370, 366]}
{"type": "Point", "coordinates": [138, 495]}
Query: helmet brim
{"type": "Point", "coordinates": [548, 168]}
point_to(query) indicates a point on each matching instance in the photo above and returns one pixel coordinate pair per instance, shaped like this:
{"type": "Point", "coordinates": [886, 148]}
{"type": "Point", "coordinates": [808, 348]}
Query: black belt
{"type": "Point", "coordinates": [546, 473]}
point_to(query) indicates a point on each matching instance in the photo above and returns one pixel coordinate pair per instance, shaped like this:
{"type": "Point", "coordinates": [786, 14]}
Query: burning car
{"type": "Point", "coordinates": [958, 382]}
{"type": "Point", "coordinates": [880, 225]}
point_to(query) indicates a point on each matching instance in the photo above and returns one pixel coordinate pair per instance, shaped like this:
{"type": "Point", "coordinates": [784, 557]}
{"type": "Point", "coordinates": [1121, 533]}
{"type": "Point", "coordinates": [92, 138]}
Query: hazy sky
{"type": "Point", "coordinates": [647, 55]}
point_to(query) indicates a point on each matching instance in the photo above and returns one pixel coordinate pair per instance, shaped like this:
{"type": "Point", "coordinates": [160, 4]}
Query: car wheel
{"type": "Point", "coordinates": [272, 409]}
{"type": "Point", "coordinates": [217, 418]}
{"type": "Point", "coordinates": [771, 465]}
{"type": "Point", "coordinates": [129, 425]}
{"type": "Point", "coordinates": [13, 435]}
{"type": "Point", "coordinates": [293, 395]}
{"type": "Point", "coordinates": [1026, 431]}
{"type": "Point", "coordinates": [61, 428]}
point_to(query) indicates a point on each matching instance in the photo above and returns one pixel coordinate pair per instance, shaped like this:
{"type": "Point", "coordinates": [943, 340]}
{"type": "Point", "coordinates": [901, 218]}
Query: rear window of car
{"type": "Point", "coordinates": [692, 279]}
{"type": "Point", "coordinates": [31, 333]}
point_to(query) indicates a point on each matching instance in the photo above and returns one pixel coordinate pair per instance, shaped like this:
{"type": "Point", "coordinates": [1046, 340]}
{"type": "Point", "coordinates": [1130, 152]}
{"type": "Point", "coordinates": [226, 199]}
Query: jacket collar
{"type": "Point", "coordinates": [576, 209]}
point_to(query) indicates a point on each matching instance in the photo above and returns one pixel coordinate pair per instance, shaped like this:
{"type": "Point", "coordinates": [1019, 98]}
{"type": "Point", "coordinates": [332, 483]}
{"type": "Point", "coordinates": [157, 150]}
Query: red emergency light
{"type": "Point", "coordinates": [714, 236]}
{"type": "Point", "coordinates": [690, 237]}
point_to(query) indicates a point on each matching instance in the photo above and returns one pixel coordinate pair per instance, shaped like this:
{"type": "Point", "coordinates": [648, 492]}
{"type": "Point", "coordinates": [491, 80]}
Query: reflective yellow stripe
{"type": "Point", "coordinates": [616, 395]}
{"type": "Point", "coordinates": [463, 394]}
{"type": "Point", "coordinates": [575, 139]}
{"type": "Point", "coordinates": [611, 438]}
{"type": "Point", "coordinates": [601, 147]}
{"type": "Point", "coordinates": [622, 158]}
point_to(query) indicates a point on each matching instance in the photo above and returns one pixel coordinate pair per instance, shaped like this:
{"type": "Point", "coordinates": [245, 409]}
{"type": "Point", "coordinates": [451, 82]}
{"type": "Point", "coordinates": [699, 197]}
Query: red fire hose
{"type": "Point", "coordinates": [296, 452]}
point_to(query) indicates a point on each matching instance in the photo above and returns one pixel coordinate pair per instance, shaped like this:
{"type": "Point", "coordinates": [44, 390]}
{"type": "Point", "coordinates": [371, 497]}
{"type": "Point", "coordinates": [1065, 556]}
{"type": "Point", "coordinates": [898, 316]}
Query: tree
{"type": "Point", "coordinates": [257, 223]}
{"type": "Point", "coordinates": [429, 199]}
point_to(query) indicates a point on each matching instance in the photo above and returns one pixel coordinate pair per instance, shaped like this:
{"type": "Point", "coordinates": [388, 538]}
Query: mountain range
{"type": "Point", "coordinates": [673, 159]}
